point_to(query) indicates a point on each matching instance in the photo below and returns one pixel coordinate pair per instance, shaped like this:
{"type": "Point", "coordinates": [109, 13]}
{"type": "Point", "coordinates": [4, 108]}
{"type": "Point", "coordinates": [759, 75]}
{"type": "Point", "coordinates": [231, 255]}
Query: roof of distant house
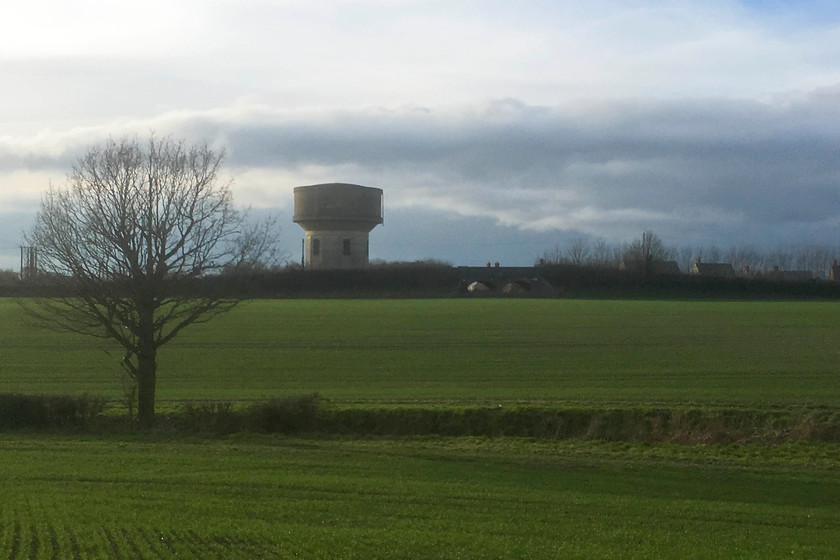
{"type": "Point", "coordinates": [723, 270]}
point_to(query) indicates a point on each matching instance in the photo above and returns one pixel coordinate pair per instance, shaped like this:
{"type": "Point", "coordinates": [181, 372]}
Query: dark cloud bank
{"type": "Point", "coordinates": [696, 171]}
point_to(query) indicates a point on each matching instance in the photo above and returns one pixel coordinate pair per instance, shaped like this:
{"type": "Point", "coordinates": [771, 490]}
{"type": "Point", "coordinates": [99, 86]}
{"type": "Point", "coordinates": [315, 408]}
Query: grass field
{"type": "Point", "coordinates": [248, 496]}
{"type": "Point", "coordinates": [752, 353]}
{"type": "Point", "coordinates": [430, 498]}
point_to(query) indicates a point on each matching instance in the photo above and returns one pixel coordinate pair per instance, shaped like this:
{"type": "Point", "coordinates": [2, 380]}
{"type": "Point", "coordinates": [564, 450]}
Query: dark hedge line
{"type": "Point", "coordinates": [310, 415]}
{"type": "Point", "coordinates": [582, 281]}
{"type": "Point", "coordinates": [287, 416]}
{"type": "Point", "coordinates": [399, 280]}
{"type": "Point", "coordinates": [441, 280]}
{"type": "Point", "coordinates": [49, 411]}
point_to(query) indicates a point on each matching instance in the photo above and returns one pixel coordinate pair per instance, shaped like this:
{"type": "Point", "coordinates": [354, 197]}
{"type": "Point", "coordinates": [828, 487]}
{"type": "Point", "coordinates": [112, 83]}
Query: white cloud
{"type": "Point", "coordinates": [713, 119]}
{"type": "Point", "coordinates": [21, 191]}
{"type": "Point", "coordinates": [98, 28]}
{"type": "Point", "coordinates": [114, 59]}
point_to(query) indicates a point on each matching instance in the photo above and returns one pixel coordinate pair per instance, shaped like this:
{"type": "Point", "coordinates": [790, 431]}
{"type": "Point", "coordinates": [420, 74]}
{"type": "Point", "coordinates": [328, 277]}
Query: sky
{"type": "Point", "coordinates": [497, 130]}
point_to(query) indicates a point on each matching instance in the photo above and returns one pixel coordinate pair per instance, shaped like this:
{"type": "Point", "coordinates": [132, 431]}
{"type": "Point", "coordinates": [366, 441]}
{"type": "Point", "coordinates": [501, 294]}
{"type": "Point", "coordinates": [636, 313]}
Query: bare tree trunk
{"type": "Point", "coordinates": [146, 366]}
{"type": "Point", "coordinates": [146, 378]}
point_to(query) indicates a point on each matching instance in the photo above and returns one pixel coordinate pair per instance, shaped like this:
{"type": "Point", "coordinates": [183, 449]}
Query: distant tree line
{"type": "Point", "coordinates": [8, 277]}
{"type": "Point", "coordinates": [436, 279]}
{"type": "Point", "coordinates": [639, 255]}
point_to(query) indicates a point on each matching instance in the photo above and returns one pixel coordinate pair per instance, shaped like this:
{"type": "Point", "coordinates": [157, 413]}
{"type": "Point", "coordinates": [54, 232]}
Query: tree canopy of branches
{"type": "Point", "coordinates": [746, 260]}
{"type": "Point", "coordinates": [135, 226]}
{"type": "Point", "coordinates": [643, 252]}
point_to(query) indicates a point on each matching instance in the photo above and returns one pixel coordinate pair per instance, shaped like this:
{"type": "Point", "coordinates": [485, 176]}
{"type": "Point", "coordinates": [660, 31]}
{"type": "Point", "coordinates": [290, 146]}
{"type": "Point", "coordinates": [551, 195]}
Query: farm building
{"type": "Point", "coordinates": [506, 280]}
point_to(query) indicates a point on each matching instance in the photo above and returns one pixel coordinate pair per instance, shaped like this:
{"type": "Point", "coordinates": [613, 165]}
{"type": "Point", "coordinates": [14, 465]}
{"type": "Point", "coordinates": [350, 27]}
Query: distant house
{"type": "Point", "coordinates": [714, 270]}
{"type": "Point", "coordinates": [666, 267]}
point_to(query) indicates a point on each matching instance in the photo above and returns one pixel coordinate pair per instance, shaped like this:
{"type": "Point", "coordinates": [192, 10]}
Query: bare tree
{"type": "Point", "coordinates": [257, 246]}
{"type": "Point", "coordinates": [553, 256]}
{"type": "Point", "coordinates": [817, 259]}
{"type": "Point", "coordinates": [782, 257]}
{"type": "Point", "coordinates": [685, 257]}
{"type": "Point", "coordinates": [745, 260]}
{"type": "Point", "coordinates": [642, 253]}
{"type": "Point", "coordinates": [602, 254]}
{"type": "Point", "coordinates": [137, 226]}
{"type": "Point", "coordinates": [711, 254]}
{"type": "Point", "coordinates": [577, 252]}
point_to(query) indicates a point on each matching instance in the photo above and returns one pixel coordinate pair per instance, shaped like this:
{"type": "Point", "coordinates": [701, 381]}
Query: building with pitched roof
{"type": "Point", "coordinates": [714, 270]}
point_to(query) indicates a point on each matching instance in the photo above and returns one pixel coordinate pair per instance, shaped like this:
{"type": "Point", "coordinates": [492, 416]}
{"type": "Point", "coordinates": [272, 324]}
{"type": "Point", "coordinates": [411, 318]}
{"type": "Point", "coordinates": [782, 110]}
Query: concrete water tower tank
{"type": "Point", "coordinates": [337, 219]}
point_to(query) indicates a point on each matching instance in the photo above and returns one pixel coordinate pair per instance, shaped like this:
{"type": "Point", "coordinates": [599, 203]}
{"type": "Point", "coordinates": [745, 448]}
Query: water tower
{"type": "Point", "coordinates": [337, 219]}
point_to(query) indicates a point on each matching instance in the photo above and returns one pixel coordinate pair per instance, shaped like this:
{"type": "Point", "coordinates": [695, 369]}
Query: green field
{"type": "Point", "coordinates": [420, 498]}
{"type": "Point", "coordinates": [470, 350]}
{"type": "Point", "coordinates": [167, 495]}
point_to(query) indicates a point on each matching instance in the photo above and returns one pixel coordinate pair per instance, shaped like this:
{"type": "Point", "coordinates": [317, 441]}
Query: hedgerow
{"type": "Point", "coordinates": [313, 415]}
{"type": "Point", "coordinates": [48, 411]}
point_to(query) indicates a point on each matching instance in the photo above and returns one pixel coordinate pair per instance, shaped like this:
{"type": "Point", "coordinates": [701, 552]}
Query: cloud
{"type": "Point", "coordinates": [718, 170]}
{"type": "Point", "coordinates": [709, 122]}
{"type": "Point", "coordinates": [63, 62]}
{"type": "Point", "coordinates": [695, 162]}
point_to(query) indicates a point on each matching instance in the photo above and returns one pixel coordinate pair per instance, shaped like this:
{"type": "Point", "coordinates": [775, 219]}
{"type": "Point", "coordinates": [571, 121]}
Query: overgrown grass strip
{"type": "Point", "coordinates": [309, 414]}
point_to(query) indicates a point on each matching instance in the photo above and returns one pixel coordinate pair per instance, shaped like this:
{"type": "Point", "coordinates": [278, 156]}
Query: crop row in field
{"type": "Point", "coordinates": [417, 498]}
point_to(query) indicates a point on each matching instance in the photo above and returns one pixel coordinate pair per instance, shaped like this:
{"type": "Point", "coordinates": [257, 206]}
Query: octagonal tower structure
{"type": "Point", "coordinates": [337, 219]}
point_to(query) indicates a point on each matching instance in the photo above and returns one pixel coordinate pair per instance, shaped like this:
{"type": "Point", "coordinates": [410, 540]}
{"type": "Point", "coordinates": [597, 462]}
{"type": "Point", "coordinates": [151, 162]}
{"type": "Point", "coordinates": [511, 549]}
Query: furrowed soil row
{"type": "Point", "coordinates": [194, 540]}
{"type": "Point", "coordinates": [51, 539]}
{"type": "Point", "coordinates": [133, 543]}
{"type": "Point", "coordinates": [24, 539]}
{"type": "Point", "coordinates": [112, 544]}
{"type": "Point", "coordinates": [34, 543]}
{"type": "Point", "coordinates": [14, 546]}
{"type": "Point", "coordinates": [29, 541]}
{"type": "Point", "coordinates": [30, 532]}
{"type": "Point", "coordinates": [196, 545]}
{"type": "Point", "coordinates": [154, 542]}
{"type": "Point", "coordinates": [165, 539]}
{"type": "Point", "coordinates": [129, 540]}
{"type": "Point", "coordinates": [73, 543]}
{"type": "Point", "coordinates": [29, 536]}
{"type": "Point", "coordinates": [43, 541]}
{"type": "Point", "coordinates": [54, 546]}
{"type": "Point", "coordinates": [246, 548]}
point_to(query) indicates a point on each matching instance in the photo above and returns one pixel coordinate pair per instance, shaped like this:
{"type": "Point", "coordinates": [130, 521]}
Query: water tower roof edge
{"type": "Point", "coordinates": [336, 186]}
